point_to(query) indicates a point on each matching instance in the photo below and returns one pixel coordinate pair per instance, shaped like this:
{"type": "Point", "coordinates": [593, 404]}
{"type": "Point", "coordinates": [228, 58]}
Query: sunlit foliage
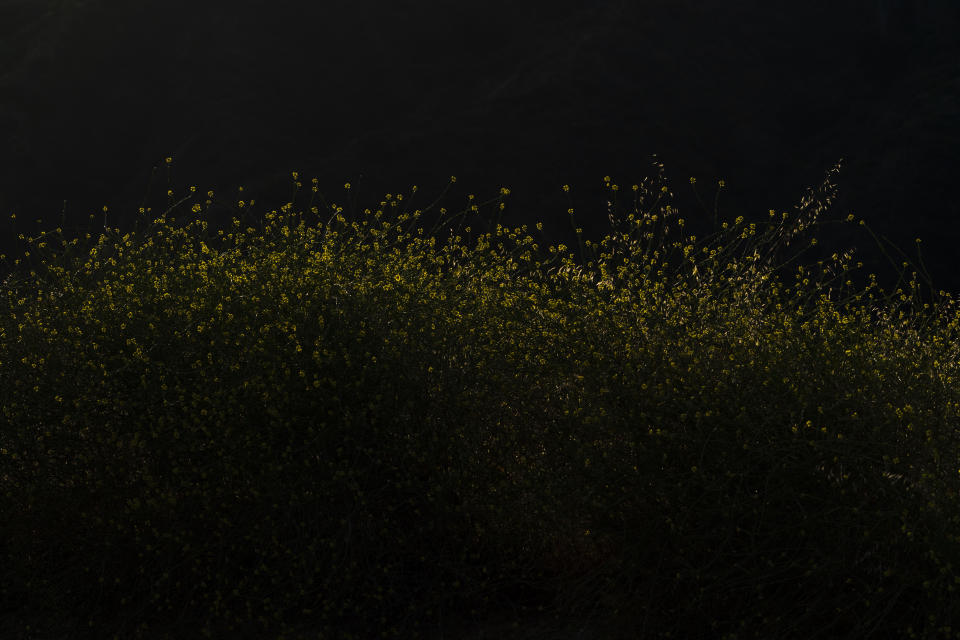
{"type": "Point", "coordinates": [327, 425]}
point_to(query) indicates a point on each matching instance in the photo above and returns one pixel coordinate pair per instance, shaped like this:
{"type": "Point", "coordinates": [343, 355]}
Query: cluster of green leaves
{"type": "Point", "coordinates": [344, 428]}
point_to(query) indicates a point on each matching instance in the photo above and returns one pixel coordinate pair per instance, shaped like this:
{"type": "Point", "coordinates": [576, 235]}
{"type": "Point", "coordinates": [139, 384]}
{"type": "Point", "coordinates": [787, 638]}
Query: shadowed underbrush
{"type": "Point", "coordinates": [309, 426]}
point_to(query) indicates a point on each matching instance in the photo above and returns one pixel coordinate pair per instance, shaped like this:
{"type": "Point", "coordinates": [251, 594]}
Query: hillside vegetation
{"type": "Point", "coordinates": [318, 424]}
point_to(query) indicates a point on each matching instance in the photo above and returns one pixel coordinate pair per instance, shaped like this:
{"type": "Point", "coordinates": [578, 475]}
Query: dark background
{"type": "Point", "coordinates": [530, 95]}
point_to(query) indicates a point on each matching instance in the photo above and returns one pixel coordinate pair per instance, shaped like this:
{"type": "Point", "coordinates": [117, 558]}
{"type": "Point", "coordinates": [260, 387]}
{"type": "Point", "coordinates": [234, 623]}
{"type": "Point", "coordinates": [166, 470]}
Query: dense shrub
{"type": "Point", "coordinates": [315, 426]}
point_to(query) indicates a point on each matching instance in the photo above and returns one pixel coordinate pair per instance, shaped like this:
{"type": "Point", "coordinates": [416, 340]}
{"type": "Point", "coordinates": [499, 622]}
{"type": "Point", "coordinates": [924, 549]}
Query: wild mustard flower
{"type": "Point", "coordinates": [353, 417]}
